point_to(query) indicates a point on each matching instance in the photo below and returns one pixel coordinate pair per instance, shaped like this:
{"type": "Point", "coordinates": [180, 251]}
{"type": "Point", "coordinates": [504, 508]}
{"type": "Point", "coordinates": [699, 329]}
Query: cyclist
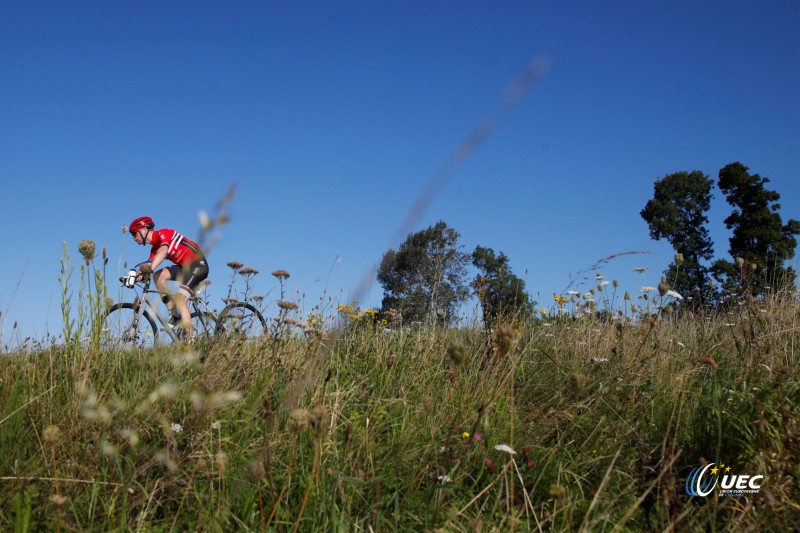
{"type": "Point", "coordinates": [189, 270]}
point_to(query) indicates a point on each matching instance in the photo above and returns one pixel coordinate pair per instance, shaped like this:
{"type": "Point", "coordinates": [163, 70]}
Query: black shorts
{"type": "Point", "coordinates": [189, 276]}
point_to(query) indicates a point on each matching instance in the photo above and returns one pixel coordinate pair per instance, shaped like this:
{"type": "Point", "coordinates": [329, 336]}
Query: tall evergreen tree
{"type": "Point", "coordinates": [425, 278]}
{"type": "Point", "coordinates": [677, 213]}
{"type": "Point", "coordinates": [761, 243]}
{"type": "Point", "coordinates": [500, 292]}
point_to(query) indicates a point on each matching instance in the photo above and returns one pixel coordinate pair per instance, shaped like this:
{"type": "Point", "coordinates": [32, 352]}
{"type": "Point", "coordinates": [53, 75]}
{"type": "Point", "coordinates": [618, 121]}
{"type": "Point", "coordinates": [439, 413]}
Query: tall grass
{"type": "Point", "coordinates": [566, 423]}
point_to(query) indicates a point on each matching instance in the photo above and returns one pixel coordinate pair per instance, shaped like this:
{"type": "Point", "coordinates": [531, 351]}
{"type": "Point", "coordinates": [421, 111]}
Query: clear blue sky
{"type": "Point", "coordinates": [330, 118]}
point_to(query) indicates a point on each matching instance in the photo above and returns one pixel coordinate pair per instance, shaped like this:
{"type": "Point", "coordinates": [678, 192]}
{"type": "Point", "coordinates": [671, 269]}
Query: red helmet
{"type": "Point", "coordinates": [141, 222]}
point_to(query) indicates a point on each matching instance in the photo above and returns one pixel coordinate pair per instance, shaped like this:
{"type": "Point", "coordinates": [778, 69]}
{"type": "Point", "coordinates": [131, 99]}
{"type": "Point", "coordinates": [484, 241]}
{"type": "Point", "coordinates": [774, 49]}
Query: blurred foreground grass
{"type": "Point", "coordinates": [375, 429]}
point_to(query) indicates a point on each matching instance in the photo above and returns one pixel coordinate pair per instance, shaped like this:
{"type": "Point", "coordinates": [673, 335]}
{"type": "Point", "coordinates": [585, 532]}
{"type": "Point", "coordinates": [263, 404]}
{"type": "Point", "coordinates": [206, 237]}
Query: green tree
{"type": "Point", "coordinates": [501, 293]}
{"type": "Point", "coordinates": [425, 278]}
{"type": "Point", "coordinates": [677, 213]}
{"type": "Point", "coordinates": [761, 243]}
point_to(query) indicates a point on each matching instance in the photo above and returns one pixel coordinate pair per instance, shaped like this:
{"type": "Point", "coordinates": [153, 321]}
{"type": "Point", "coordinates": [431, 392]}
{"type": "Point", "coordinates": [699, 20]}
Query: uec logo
{"type": "Point", "coordinates": [703, 479]}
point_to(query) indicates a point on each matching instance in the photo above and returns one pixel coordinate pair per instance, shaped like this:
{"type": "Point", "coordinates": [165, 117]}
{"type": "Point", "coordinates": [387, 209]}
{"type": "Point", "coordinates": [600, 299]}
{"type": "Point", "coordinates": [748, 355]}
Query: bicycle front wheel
{"type": "Point", "coordinates": [241, 319]}
{"type": "Point", "coordinates": [125, 328]}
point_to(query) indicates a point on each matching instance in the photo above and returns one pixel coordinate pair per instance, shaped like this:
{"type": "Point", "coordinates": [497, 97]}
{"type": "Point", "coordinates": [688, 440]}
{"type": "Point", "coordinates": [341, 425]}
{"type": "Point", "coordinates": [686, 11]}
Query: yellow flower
{"type": "Point", "coordinates": [465, 434]}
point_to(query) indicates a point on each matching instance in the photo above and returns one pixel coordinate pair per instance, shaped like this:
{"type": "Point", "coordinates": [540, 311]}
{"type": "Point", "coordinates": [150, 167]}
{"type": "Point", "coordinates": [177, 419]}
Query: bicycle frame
{"type": "Point", "coordinates": [148, 303]}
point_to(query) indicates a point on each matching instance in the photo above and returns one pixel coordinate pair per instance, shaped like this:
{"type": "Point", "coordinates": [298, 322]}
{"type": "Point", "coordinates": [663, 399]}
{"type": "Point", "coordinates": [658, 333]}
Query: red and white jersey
{"type": "Point", "coordinates": [181, 251]}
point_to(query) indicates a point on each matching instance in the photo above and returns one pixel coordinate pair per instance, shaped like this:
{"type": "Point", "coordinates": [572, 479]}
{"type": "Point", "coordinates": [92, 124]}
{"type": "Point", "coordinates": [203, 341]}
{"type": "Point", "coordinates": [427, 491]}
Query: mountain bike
{"type": "Point", "coordinates": [129, 324]}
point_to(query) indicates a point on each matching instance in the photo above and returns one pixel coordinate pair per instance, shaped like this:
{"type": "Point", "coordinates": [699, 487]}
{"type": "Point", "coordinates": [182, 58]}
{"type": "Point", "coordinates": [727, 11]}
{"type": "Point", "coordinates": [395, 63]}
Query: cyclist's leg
{"type": "Point", "coordinates": [162, 277]}
{"type": "Point", "coordinates": [191, 276]}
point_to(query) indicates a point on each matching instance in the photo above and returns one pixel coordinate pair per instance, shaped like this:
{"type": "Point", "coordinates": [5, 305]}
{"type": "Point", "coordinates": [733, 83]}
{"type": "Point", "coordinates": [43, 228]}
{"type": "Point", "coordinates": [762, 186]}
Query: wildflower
{"type": "Point", "coordinates": [543, 312]}
{"type": "Point", "coordinates": [465, 434]}
{"type": "Point", "coordinates": [616, 283]}
{"type": "Point", "coordinates": [627, 296]}
{"type": "Point", "coordinates": [248, 271]}
{"type": "Point", "coordinates": [602, 285]}
{"type": "Point", "coordinates": [678, 259]}
{"type": "Point", "coordinates": [281, 274]}
{"type": "Point", "coordinates": [599, 276]}
{"type": "Point", "coordinates": [87, 250]}
{"type": "Point", "coordinates": [124, 229]}
{"type": "Point", "coordinates": [674, 294]}
{"type": "Point", "coordinates": [488, 462]}
{"type": "Point", "coordinates": [478, 436]}
{"type": "Point", "coordinates": [505, 448]}
{"type": "Point", "coordinates": [560, 299]}
{"type": "Point", "coordinates": [641, 270]}
{"type": "Point", "coordinates": [216, 425]}
{"type": "Point", "coordinates": [235, 265]}
{"type": "Point", "coordinates": [647, 288]}
{"type": "Point", "coordinates": [444, 479]}
{"type": "Point", "coordinates": [287, 306]}
{"type": "Point", "coordinates": [573, 293]}
{"type": "Point", "coordinates": [176, 428]}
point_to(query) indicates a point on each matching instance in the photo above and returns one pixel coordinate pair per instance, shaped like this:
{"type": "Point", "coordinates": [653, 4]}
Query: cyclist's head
{"type": "Point", "coordinates": [139, 224]}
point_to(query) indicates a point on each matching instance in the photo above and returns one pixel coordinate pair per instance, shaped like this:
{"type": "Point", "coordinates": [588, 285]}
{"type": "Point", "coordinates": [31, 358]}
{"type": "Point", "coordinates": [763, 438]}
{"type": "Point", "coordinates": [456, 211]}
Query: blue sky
{"type": "Point", "coordinates": [330, 118]}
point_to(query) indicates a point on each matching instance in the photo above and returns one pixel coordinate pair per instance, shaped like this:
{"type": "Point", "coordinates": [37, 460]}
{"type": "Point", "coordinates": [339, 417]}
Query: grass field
{"type": "Point", "coordinates": [560, 423]}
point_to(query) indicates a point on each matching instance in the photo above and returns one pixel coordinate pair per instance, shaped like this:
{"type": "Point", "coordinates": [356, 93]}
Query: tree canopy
{"type": "Point", "coordinates": [425, 278]}
{"type": "Point", "coordinates": [677, 213]}
{"type": "Point", "coordinates": [760, 242]}
{"type": "Point", "coordinates": [500, 292]}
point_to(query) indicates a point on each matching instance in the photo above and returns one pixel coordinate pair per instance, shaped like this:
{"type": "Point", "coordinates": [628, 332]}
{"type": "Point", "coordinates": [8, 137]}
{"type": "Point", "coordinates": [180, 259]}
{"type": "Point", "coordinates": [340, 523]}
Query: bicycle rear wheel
{"type": "Point", "coordinates": [124, 328]}
{"type": "Point", "coordinates": [241, 319]}
{"type": "Point", "coordinates": [205, 325]}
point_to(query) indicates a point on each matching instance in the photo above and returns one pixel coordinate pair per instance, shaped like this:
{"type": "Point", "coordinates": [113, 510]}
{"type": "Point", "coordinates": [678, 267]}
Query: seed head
{"type": "Point", "coordinates": [298, 421]}
{"type": "Point", "coordinates": [663, 288]}
{"type": "Point", "coordinates": [257, 470]}
{"type": "Point", "coordinates": [504, 340]}
{"type": "Point", "coordinates": [318, 421]}
{"type": "Point", "coordinates": [558, 492]}
{"type": "Point", "coordinates": [87, 250]}
{"type": "Point", "coordinates": [235, 265]}
{"type": "Point", "coordinates": [457, 353]}
{"type": "Point", "coordinates": [281, 274]}
{"type": "Point", "coordinates": [288, 306]}
{"type": "Point", "coordinates": [52, 434]}
{"type": "Point", "coordinates": [576, 385]}
{"type": "Point", "coordinates": [678, 259]}
{"type": "Point", "coordinates": [248, 271]}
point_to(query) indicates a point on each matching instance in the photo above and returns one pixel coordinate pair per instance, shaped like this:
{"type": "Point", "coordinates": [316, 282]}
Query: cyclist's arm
{"type": "Point", "coordinates": [159, 256]}
{"type": "Point", "coordinates": [157, 259]}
